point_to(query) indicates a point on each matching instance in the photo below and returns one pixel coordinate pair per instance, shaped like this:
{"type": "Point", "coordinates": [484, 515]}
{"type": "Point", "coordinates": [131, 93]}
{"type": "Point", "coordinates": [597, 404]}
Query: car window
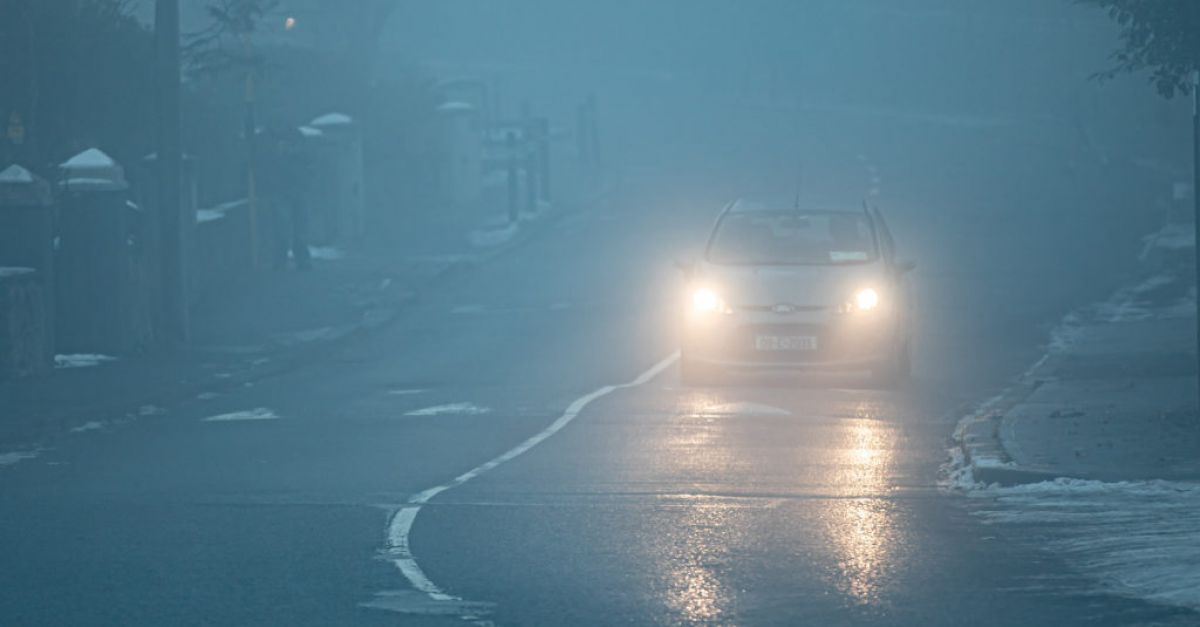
{"type": "Point", "coordinates": [792, 238]}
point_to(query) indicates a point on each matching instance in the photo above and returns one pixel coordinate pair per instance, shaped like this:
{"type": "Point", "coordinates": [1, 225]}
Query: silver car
{"type": "Point", "coordinates": [797, 289]}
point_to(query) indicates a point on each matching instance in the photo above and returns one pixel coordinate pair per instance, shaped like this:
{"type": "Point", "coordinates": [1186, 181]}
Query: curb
{"type": "Point", "coordinates": [982, 447]}
{"type": "Point", "coordinates": [980, 436]}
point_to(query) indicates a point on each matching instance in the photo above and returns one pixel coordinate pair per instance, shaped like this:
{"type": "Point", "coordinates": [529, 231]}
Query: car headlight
{"type": "Point", "coordinates": [866, 299]}
{"type": "Point", "coordinates": [707, 301]}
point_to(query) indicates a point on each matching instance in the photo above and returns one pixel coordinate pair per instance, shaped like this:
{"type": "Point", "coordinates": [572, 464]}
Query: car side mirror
{"type": "Point", "coordinates": [904, 266]}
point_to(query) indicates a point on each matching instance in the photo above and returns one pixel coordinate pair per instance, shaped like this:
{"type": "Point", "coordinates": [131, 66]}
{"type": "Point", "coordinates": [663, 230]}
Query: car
{"type": "Point", "coordinates": [792, 289]}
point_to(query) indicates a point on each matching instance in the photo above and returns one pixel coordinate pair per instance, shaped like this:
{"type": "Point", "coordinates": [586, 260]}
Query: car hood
{"type": "Point", "coordinates": [803, 286]}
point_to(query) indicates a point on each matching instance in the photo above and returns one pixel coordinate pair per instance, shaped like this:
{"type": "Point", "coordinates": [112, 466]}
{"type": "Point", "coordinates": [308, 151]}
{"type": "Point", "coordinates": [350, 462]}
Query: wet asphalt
{"type": "Point", "coordinates": [771, 500]}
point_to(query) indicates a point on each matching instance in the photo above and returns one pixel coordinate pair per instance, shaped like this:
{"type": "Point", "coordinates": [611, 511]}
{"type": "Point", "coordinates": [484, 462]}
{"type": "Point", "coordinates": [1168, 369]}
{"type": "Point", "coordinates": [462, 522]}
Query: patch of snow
{"type": "Point", "coordinates": [1154, 282]}
{"type": "Point", "coordinates": [1066, 333]}
{"type": "Point", "coordinates": [459, 409]}
{"type": "Point", "coordinates": [90, 158]}
{"type": "Point", "coordinates": [81, 360]}
{"type": "Point", "coordinates": [405, 392]}
{"type": "Point", "coordinates": [331, 119]}
{"type": "Point", "coordinates": [150, 410]}
{"type": "Point", "coordinates": [1175, 236]}
{"type": "Point", "coordinates": [956, 475]}
{"type": "Point", "coordinates": [494, 237]}
{"type": "Point", "coordinates": [16, 457]}
{"type": "Point", "coordinates": [94, 184]}
{"type": "Point", "coordinates": [326, 253]}
{"type": "Point", "coordinates": [1128, 305]}
{"type": "Point", "coordinates": [88, 426]}
{"type": "Point", "coordinates": [15, 174]}
{"type": "Point", "coordinates": [208, 215]}
{"type": "Point", "coordinates": [261, 413]}
{"type": "Point", "coordinates": [1138, 539]}
{"type": "Point", "coordinates": [14, 271]}
{"type": "Point", "coordinates": [206, 396]}
{"type": "Point", "coordinates": [308, 131]}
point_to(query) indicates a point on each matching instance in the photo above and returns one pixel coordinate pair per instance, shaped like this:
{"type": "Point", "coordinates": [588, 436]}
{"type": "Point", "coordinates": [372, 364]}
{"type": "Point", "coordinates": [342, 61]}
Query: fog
{"type": "Point", "coordinates": [574, 312]}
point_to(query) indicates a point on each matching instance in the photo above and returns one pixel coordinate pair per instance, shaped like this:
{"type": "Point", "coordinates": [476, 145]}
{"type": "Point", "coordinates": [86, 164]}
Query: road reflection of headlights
{"type": "Point", "coordinates": [706, 301]}
{"type": "Point", "coordinates": [866, 299]}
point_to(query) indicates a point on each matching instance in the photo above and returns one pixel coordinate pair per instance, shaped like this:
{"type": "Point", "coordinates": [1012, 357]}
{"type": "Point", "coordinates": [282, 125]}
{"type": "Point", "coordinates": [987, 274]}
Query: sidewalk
{"type": "Point", "coordinates": [1115, 397]}
{"type": "Point", "coordinates": [262, 324]}
{"type": "Point", "coordinates": [1094, 455]}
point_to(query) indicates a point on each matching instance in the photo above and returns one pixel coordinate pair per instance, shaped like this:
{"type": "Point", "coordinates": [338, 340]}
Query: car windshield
{"type": "Point", "coordinates": [792, 238]}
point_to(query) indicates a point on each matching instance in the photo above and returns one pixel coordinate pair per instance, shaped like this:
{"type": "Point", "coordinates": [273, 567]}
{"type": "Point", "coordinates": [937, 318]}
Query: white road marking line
{"type": "Point", "coordinates": [401, 524]}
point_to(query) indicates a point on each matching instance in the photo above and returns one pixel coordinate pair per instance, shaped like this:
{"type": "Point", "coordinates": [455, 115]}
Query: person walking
{"type": "Point", "coordinates": [286, 175]}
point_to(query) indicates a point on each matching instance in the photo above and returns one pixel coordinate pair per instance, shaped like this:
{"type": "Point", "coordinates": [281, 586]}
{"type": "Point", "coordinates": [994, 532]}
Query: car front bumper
{"type": "Point", "coordinates": [840, 342]}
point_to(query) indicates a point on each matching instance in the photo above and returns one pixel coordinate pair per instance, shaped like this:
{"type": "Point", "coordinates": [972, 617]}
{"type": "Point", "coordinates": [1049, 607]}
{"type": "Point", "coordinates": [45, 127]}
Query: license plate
{"type": "Point", "coordinates": [785, 342]}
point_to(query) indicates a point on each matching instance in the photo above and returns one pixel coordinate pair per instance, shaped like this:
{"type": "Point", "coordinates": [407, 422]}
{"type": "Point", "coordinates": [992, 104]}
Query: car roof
{"type": "Point", "coordinates": [744, 206]}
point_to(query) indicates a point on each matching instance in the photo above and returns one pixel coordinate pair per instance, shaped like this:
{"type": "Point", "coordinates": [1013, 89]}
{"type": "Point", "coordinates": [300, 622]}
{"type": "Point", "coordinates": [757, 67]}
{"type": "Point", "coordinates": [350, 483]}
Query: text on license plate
{"type": "Point", "coordinates": [785, 342]}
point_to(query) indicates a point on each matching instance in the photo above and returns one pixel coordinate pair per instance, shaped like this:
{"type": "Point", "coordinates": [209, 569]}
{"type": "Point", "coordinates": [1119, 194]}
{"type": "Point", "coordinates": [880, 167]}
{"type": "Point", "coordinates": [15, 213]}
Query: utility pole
{"type": "Point", "coordinates": [173, 304]}
{"type": "Point", "coordinates": [594, 131]}
{"type": "Point", "coordinates": [510, 146]}
{"type": "Point", "coordinates": [1196, 194]}
{"type": "Point", "coordinates": [582, 134]}
{"type": "Point", "coordinates": [543, 151]}
{"type": "Point", "coordinates": [251, 129]}
{"type": "Point", "coordinates": [529, 158]}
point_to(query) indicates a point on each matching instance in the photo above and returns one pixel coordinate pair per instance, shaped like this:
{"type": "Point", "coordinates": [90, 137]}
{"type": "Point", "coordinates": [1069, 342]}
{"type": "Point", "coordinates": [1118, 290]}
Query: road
{"type": "Point", "coordinates": [770, 501]}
